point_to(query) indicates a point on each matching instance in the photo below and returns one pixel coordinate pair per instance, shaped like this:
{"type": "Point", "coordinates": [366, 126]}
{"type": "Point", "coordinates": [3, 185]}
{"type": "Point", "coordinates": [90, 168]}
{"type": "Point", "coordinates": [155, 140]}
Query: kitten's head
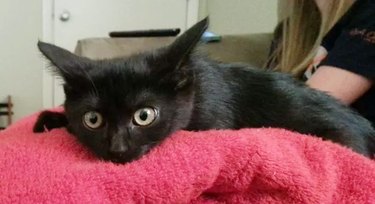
{"type": "Point", "coordinates": [120, 108]}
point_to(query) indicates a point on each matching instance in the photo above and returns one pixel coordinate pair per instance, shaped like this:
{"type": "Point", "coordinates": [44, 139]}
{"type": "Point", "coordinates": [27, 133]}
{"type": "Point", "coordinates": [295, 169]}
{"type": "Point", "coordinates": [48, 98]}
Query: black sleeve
{"type": "Point", "coordinates": [351, 43]}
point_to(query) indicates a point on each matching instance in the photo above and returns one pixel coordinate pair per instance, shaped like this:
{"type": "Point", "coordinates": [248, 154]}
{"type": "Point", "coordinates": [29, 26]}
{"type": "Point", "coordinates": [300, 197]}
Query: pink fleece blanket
{"type": "Point", "coordinates": [244, 166]}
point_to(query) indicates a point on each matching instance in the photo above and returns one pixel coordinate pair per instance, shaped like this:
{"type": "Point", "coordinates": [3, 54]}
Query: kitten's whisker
{"type": "Point", "coordinates": [92, 82]}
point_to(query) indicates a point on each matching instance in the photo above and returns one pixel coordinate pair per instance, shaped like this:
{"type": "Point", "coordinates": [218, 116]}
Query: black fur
{"type": "Point", "coordinates": [191, 92]}
{"type": "Point", "coordinates": [48, 120]}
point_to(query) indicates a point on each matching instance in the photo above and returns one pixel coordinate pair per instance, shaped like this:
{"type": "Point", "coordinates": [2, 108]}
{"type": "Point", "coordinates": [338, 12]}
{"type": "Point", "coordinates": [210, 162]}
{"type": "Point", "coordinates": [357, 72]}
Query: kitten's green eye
{"type": "Point", "coordinates": [145, 116]}
{"type": "Point", "coordinates": [92, 120]}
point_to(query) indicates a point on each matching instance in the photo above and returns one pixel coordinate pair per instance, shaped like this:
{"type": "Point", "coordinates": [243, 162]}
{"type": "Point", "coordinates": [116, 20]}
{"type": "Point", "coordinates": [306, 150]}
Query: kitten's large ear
{"type": "Point", "coordinates": [66, 64]}
{"type": "Point", "coordinates": [181, 48]}
{"type": "Point", "coordinates": [178, 54]}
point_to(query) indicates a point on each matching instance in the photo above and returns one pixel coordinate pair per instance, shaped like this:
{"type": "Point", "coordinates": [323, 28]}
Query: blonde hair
{"type": "Point", "coordinates": [302, 32]}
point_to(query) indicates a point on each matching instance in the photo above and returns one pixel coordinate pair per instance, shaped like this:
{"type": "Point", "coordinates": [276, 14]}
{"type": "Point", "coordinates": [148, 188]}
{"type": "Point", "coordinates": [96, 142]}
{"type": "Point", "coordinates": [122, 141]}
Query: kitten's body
{"type": "Point", "coordinates": [190, 92]}
{"type": "Point", "coordinates": [250, 97]}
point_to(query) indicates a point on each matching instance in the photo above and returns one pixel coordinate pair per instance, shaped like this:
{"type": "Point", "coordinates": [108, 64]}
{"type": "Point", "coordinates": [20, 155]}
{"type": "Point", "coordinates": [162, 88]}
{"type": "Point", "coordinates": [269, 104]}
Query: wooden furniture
{"type": "Point", "coordinates": [6, 111]}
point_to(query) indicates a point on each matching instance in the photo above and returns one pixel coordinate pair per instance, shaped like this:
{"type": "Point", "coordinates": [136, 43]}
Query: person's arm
{"type": "Point", "coordinates": [348, 71]}
{"type": "Point", "coordinates": [344, 85]}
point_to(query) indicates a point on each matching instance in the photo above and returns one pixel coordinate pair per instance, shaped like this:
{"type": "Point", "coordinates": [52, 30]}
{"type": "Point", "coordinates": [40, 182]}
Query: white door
{"type": "Point", "coordinates": [67, 21]}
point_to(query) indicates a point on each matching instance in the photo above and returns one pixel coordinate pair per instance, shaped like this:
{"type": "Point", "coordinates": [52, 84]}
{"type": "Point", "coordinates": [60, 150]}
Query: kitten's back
{"type": "Point", "coordinates": [237, 96]}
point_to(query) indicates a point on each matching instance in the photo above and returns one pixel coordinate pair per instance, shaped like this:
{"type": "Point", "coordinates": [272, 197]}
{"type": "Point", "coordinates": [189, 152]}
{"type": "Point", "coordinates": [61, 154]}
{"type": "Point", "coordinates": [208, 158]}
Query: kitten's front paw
{"type": "Point", "coordinates": [48, 120]}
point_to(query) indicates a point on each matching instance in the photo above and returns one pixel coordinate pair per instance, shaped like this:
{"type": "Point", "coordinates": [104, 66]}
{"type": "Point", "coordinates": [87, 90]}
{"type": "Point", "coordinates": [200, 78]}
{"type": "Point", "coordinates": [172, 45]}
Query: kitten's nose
{"type": "Point", "coordinates": [118, 149]}
{"type": "Point", "coordinates": [118, 145]}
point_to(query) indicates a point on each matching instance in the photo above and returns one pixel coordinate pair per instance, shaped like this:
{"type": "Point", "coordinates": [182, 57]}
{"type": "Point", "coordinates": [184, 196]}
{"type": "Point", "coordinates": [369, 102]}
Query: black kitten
{"type": "Point", "coordinates": [120, 108]}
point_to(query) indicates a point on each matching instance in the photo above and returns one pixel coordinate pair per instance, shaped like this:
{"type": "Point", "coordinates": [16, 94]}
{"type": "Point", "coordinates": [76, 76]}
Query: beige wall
{"type": "Point", "coordinates": [20, 63]}
{"type": "Point", "coordinates": [240, 16]}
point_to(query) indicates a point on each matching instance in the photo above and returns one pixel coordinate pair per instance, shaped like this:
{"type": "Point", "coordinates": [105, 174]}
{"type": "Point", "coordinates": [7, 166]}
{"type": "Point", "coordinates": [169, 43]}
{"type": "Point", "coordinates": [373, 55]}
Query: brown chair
{"type": "Point", "coordinates": [6, 110]}
{"type": "Point", "coordinates": [252, 49]}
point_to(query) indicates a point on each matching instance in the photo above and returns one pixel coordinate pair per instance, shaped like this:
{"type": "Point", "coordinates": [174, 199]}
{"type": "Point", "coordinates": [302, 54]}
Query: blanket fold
{"type": "Point", "coordinates": [261, 165]}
